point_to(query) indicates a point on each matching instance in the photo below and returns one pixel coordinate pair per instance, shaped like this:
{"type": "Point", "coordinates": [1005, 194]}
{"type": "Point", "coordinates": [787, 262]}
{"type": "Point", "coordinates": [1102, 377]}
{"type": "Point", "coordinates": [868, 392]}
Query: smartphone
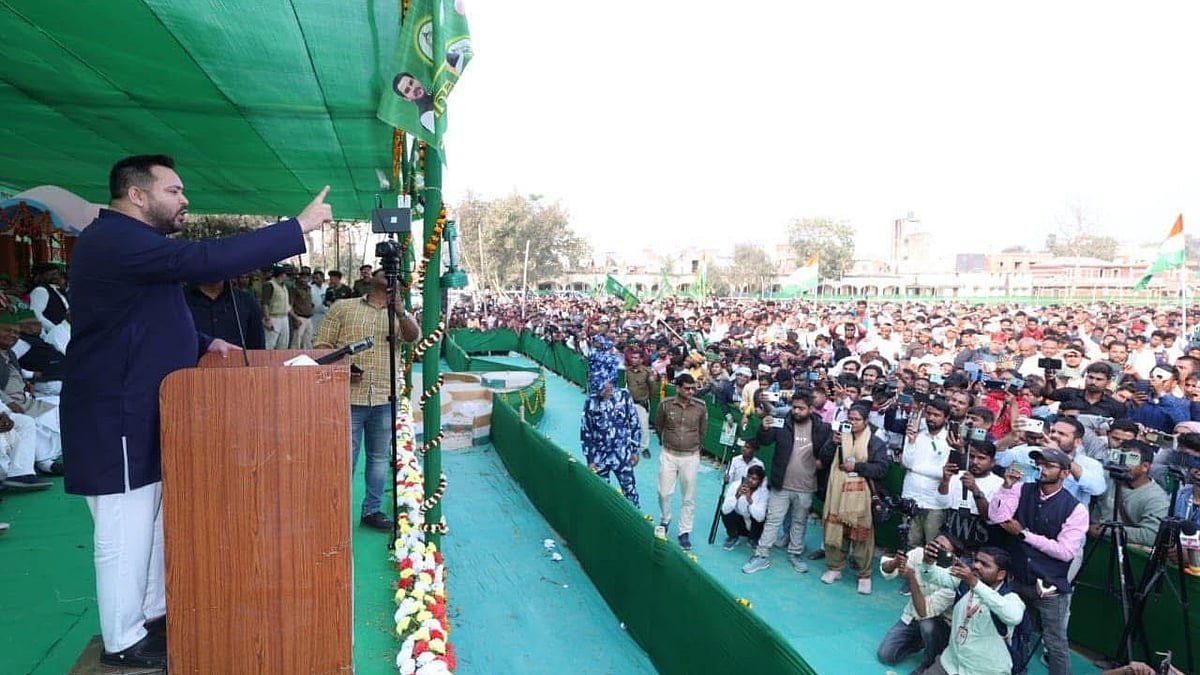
{"type": "Point", "coordinates": [777, 422]}
{"type": "Point", "coordinates": [1029, 471]}
{"type": "Point", "coordinates": [1015, 385]}
{"type": "Point", "coordinates": [904, 399]}
{"type": "Point", "coordinates": [944, 558]}
{"type": "Point", "coordinates": [957, 458]}
{"type": "Point", "coordinates": [972, 370]}
{"type": "Point", "coordinates": [937, 379]}
{"type": "Point", "coordinates": [993, 385]}
{"type": "Point", "coordinates": [1049, 364]}
{"type": "Point", "coordinates": [845, 428]}
{"type": "Point", "coordinates": [979, 434]}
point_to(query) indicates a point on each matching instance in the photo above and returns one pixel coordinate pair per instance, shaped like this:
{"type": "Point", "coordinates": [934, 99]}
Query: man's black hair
{"type": "Point", "coordinates": [1076, 425]}
{"type": "Point", "coordinates": [940, 403]}
{"type": "Point", "coordinates": [999, 556]}
{"type": "Point", "coordinates": [1099, 368]}
{"type": "Point", "coordinates": [135, 171]}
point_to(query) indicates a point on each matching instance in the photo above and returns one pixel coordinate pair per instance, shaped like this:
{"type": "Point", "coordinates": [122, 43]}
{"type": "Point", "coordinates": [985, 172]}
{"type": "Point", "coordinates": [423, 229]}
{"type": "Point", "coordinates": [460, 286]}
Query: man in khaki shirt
{"type": "Point", "coordinates": [681, 421]}
{"type": "Point", "coordinates": [371, 421]}
{"type": "Point", "coordinates": [639, 379]}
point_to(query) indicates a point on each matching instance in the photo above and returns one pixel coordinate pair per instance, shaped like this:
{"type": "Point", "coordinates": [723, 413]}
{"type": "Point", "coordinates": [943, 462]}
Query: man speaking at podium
{"type": "Point", "coordinates": [131, 328]}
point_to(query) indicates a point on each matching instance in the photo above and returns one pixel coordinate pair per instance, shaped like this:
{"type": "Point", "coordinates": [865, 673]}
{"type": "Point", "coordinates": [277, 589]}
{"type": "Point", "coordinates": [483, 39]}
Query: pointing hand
{"type": "Point", "coordinates": [317, 213]}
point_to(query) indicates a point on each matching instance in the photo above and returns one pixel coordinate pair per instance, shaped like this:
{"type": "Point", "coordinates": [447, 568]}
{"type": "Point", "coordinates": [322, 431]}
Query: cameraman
{"type": "Point", "coordinates": [1187, 502]}
{"type": "Point", "coordinates": [1143, 503]}
{"type": "Point", "coordinates": [371, 422]}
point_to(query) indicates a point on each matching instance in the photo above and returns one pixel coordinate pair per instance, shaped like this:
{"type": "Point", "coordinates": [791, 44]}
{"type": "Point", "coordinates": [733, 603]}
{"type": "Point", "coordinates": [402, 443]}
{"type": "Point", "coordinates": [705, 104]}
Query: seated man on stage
{"type": "Point", "coordinates": [42, 413]}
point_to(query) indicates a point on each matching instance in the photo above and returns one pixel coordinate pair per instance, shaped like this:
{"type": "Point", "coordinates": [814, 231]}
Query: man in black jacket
{"type": "Point", "coordinates": [798, 440]}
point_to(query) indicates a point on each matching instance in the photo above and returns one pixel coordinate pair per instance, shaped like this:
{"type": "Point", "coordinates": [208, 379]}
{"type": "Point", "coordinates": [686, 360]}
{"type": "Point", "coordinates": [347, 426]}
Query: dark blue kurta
{"type": "Point", "coordinates": [130, 328]}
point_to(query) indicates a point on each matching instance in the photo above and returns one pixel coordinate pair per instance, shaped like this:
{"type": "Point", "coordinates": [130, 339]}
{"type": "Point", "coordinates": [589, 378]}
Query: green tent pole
{"type": "Point", "coordinates": [430, 316]}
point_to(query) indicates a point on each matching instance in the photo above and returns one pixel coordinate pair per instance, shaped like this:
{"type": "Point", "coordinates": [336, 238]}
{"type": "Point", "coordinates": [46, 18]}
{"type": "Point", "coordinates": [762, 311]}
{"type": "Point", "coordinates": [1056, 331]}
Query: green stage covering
{"type": "Point", "coordinates": [261, 103]}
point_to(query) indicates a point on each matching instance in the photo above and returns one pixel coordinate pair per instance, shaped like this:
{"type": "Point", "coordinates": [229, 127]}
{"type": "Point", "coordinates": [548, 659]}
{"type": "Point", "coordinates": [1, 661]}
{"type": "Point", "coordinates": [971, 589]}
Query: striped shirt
{"type": "Point", "coordinates": [355, 319]}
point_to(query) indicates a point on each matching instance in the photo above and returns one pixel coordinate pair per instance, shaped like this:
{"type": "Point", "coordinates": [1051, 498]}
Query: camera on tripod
{"type": "Point", "coordinates": [1121, 462]}
{"type": "Point", "coordinates": [389, 254]}
{"type": "Point", "coordinates": [906, 507]}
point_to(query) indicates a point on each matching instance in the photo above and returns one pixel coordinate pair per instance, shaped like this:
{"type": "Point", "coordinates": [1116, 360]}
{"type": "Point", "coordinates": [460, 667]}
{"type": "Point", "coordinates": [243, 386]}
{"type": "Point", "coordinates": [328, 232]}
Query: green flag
{"type": "Point", "coordinates": [614, 287]}
{"type": "Point", "coordinates": [433, 50]}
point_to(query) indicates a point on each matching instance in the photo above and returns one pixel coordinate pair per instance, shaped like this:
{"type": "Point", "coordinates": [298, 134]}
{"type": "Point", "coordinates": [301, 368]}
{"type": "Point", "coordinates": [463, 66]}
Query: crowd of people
{"type": "Point", "coordinates": [1024, 433]}
{"type": "Point", "coordinates": [35, 329]}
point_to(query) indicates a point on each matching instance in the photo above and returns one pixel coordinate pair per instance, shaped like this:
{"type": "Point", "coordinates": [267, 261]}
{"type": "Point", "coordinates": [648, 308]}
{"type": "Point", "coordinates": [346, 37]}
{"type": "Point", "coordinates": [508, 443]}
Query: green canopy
{"type": "Point", "coordinates": [261, 102]}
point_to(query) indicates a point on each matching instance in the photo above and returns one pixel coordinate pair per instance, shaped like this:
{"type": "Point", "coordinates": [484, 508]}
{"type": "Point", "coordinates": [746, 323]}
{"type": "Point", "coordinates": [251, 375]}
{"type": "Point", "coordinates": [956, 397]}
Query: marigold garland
{"type": "Point", "coordinates": [421, 601]}
{"type": "Point", "coordinates": [433, 442]}
{"type": "Point", "coordinates": [433, 499]}
{"type": "Point", "coordinates": [429, 340]}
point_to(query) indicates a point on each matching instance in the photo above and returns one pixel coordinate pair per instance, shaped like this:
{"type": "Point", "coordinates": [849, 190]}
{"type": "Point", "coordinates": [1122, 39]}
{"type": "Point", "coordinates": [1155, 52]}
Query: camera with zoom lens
{"type": "Point", "coordinates": [388, 252]}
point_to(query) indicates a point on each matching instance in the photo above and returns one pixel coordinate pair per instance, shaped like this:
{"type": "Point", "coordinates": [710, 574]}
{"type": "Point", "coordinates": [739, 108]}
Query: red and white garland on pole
{"type": "Point", "coordinates": [420, 617]}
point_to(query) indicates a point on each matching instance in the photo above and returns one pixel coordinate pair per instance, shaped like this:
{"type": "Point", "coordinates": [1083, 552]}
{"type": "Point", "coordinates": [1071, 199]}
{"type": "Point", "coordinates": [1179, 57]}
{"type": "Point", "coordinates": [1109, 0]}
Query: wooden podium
{"type": "Point", "coordinates": [256, 500]}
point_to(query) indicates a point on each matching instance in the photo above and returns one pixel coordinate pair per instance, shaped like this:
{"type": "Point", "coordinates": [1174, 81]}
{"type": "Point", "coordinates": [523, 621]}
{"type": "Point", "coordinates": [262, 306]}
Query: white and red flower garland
{"type": "Point", "coordinates": [420, 617]}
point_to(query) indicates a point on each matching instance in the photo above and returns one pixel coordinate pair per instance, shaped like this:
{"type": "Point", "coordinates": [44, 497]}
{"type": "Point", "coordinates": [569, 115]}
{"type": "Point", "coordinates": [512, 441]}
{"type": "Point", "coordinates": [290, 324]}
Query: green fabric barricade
{"type": "Point", "coordinates": [685, 620]}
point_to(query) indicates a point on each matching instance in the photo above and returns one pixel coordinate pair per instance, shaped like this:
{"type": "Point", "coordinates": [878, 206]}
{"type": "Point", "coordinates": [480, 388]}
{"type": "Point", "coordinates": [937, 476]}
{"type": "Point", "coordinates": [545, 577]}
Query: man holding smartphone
{"type": "Point", "coordinates": [1049, 526]}
{"type": "Point", "coordinates": [795, 478]}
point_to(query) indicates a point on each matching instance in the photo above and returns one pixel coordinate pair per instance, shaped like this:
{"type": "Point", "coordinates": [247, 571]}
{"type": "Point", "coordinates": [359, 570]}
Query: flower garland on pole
{"type": "Point", "coordinates": [420, 617]}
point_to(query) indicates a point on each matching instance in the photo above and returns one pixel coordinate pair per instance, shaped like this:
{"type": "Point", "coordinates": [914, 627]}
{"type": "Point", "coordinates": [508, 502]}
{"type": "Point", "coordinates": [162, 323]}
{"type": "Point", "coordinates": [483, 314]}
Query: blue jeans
{"type": "Point", "coordinates": [932, 635]}
{"type": "Point", "coordinates": [372, 426]}
{"type": "Point", "coordinates": [1054, 612]}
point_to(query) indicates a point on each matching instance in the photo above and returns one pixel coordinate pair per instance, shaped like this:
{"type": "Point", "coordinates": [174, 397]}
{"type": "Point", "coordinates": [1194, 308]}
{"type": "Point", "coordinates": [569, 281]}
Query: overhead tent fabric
{"type": "Point", "coordinates": [261, 102]}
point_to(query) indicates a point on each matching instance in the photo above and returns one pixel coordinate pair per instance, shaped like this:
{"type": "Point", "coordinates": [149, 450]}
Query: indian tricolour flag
{"type": "Point", "coordinates": [805, 278]}
{"type": "Point", "coordinates": [1170, 254]}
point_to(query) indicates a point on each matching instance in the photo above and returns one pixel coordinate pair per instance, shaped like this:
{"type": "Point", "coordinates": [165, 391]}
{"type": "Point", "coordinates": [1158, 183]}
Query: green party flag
{"type": "Point", "coordinates": [434, 48]}
{"type": "Point", "coordinates": [614, 287]}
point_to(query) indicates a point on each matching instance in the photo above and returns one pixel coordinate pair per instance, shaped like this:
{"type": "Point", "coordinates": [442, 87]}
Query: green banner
{"type": "Point", "coordinates": [433, 50]}
{"type": "Point", "coordinates": [615, 287]}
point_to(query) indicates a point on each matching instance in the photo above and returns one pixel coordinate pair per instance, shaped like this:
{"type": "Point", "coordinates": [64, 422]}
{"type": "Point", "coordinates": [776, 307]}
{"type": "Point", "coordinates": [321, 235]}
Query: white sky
{"type": "Point", "coordinates": [662, 122]}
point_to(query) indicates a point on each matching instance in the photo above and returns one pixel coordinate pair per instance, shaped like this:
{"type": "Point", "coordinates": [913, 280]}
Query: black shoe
{"type": "Point", "coordinates": [29, 482]}
{"type": "Point", "coordinates": [377, 521]}
{"type": "Point", "coordinates": [156, 626]}
{"type": "Point", "coordinates": [149, 652]}
{"type": "Point", "coordinates": [685, 542]}
{"type": "Point", "coordinates": [817, 554]}
{"type": "Point", "coordinates": [56, 469]}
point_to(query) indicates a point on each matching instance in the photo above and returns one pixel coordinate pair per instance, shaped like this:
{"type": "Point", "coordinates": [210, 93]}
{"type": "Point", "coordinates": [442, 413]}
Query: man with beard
{"type": "Point", "coordinates": [985, 612]}
{"type": "Point", "coordinates": [924, 456]}
{"type": "Point", "coordinates": [1094, 393]}
{"type": "Point", "coordinates": [1187, 502]}
{"type": "Point", "coordinates": [131, 328]}
{"type": "Point", "coordinates": [971, 488]}
{"type": "Point", "coordinates": [1143, 503]}
{"type": "Point", "coordinates": [794, 479]}
{"type": "Point", "coordinates": [1049, 525]}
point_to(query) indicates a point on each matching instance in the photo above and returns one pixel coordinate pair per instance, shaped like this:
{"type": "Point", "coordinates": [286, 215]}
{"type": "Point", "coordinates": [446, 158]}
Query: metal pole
{"type": "Point", "coordinates": [525, 279]}
{"type": "Point", "coordinates": [430, 315]}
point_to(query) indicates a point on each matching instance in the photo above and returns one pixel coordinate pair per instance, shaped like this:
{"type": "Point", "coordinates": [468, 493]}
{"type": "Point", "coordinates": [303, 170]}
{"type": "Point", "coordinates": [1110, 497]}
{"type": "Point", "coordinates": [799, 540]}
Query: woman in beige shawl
{"type": "Point", "coordinates": [858, 458]}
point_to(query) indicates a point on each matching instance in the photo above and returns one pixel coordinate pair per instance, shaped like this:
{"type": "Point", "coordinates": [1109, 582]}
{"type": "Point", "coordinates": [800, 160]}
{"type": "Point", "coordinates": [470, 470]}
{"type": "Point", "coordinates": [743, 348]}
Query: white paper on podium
{"type": "Point", "coordinates": [302, 360]}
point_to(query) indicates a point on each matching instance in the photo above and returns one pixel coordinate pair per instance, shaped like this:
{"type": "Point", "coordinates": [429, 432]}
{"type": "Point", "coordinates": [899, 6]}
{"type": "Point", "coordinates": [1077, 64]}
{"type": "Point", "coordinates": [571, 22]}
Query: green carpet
{"type": "Point", "coordinates": [512, 609]}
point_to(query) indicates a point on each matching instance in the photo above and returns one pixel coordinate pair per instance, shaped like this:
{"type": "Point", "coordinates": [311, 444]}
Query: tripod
{"type": "Point", "coordinates": [1118, 565]}
{"type": "Point", "coordinates": [388, 252]}
{"type": "Point", "coordinates": [726, 460]}
{"type": "Point", "coordinates": [1156, 573]}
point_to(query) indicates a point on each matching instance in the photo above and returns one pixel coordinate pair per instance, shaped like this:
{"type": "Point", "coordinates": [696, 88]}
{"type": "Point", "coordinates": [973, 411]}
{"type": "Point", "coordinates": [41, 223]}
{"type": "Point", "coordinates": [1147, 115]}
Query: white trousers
{"type": "Point", "coordinates": [130, 577]}
{"type": "Point", "coordinates": [279, 333]}
{"type": "Point", "coordinates": [644, 422]}
{"type": "Point", "coordinates": [302, 335]}
{"type": "Point", "coordinates": [19, 446]}
{"type": "Point", "coordinates": [672, 467]}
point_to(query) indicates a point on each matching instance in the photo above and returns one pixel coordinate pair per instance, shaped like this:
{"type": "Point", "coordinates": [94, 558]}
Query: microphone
{"type": "Point", "coordinates": [237, 316]}
{"type": "Point", "coordinates": [352, 348]}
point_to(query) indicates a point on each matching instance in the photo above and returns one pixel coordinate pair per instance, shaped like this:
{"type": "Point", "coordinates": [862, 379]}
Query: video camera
{"type": "Point", "coordinates": [906, 507]}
